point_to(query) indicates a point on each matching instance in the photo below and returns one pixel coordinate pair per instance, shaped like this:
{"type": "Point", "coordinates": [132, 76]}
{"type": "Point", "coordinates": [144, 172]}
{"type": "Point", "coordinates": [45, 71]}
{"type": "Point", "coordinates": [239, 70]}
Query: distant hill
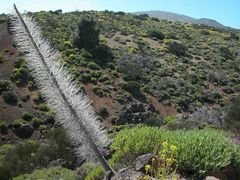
{"type": "Point", "coordinates": [183, 18]}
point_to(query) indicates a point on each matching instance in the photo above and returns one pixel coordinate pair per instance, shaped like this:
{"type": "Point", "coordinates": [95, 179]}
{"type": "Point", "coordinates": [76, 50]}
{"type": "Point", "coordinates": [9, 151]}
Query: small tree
{"type": "Point", "coordinates": [134, 66]}
{"type": "Point", "coordinates": [177, 48]}
{"type": "Point", "coordinates": [87, 35]}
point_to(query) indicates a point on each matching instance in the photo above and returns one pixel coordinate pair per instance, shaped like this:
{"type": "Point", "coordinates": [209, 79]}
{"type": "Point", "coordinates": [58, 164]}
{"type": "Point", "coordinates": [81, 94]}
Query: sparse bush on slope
{"type": "Point", "coordinates": [232, 118]}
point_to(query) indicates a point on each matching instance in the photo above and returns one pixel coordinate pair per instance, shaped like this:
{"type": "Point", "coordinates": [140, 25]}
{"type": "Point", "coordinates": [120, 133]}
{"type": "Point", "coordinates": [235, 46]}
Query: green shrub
{"type": "Point", "coordinates": [20, 75]}
{"type": "Point", "coordinates": [4, 149]}
{"type": "Point", "coordinates": [49, 174]}
{"type": "Point", "coordinates": [133, 87]}
{"type": "Point", "coordinates": [36, 122]}
{"type": "Point", "coordinates": [49, 117]}
{"type": "Point", "coordinates": [97, 174]}
{"type": "Point", "coordinates": [85, 169]}
{"type": "Point", "coordinates": [4, 86]}
{"type": "Point", "coordinates": [225, 52]}
{"type": "Point", "coordinates": [134, 66]}
{"type": "Point", "coordinates": [85, 78]}
{"type": "Point", "coordinates": [232, 120]}
{"type": "Point", "coordinates": [18, 123]}
{"type": "Point", "coordinates": [1, 58]}
{"type": "Point", "coordinates": [25, 98]}
{"type": "Point", "coordinates": [27, 116]}
{"type": "Point", "coordinates": [93, 65]}
{"type": "Point", "coordinates": [104, 78]}
{"type": "Point", "coordinates": [31, 85]}
{"type": "Point", "coordinates": [210, 96]}
{"type": "Point", "coordinates": [26, 156]}
{"type": "Point", "coordinates": [67, 43]}
{"type": "Point", "coordinates": [43, 107]}
{"type": "Point", "coordinates": [3, 127]}
{"type": "Point", "coordinates": [5, 173]}
{"type": "Point", "coordinates": [177, 48]}
{"type": "Point", "coordinates": [103, 54]}
{"type": "Point", "coordinates": [20, 159]}
{"type": "Point", "coordinates": [96, 74]}
{"type": "Point", "coordinates": [10, 97]}
{"type": "Point", "coordinates": [103, 111]}
{"type": "Point", "coordinates": [38, 99]}
{"type": "Point", "coordinates": [3, 18]}
{"type": "Point", "coordinates": [200, 151]}
{"type": "Point", "coordinates": [98, 91]}
{"type": "Point", "coordinates": [156, 34]}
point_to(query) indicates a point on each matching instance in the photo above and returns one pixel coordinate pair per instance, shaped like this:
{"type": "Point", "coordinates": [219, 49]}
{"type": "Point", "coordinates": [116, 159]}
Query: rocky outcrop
{"type": "Point", "coordinates": [142, 161]}
{"type": "Point", "coordinates": [139, 113]}
{"type": "Point", "coordinates": [128, 174]}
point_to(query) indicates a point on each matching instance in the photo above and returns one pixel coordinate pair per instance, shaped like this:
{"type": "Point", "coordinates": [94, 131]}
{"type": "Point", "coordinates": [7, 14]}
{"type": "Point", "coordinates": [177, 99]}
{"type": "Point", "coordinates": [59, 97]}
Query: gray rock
{"type": "Point", "coordinates": [211, 178]}
{"type": "Point", "coordinates": [128, 174]}
{"type": "Point", "coordinates": [142, 161]}
{"type": "Point", "coordinates": [137, 113]}
{"type": "Point", "coordinates": [24, 131]}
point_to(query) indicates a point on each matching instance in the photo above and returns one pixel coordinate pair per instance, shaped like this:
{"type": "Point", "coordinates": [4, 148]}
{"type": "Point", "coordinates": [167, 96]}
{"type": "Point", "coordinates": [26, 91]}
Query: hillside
{"type": "Point", "coordinates": [146, 71]}
{"type": "Point", "coordinates": [183, 18]}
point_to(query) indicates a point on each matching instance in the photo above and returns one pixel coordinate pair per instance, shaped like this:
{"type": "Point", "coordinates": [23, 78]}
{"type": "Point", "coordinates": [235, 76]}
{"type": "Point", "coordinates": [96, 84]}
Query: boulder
{"type": "Point", "coordinates": [24, 131]}
{"type": "Point", "coordinates": [142, 161]}
{"type": "Point", "coordinates": [211, 178]}
{"type": "Point", "coordinates": [136, 113]}
{"type": "Point", "coordinates": [128, 174]}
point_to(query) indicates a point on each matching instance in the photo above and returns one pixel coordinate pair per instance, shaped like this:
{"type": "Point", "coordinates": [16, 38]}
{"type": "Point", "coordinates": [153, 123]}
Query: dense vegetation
{"type": "Point", "coordinates": [121, 60]}
{"type": "Point", "coordinates": [185, 65]}
{"type": "Point", "coordinates": [198, 151]}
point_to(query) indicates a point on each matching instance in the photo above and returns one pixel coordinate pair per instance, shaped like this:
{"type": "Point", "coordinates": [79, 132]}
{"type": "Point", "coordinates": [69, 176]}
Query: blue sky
{"type": "Point", "coordinates": [226, 12]}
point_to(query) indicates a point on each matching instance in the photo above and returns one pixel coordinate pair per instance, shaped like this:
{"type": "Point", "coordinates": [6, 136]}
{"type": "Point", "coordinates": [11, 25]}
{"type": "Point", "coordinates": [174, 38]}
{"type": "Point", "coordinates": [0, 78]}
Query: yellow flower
{"type": "Point", "coordinates": [153, 159]}
{"type": "Point", "coordinates": [165, 143]}
{"type": "Point", "coordinates": [173, 148]}
{"type": "Point", "coordinates": [169, 160]}
{"type": "Point", "coordinates": [147, 168]}
{"type": "Point", "coordinates": [145, 177]}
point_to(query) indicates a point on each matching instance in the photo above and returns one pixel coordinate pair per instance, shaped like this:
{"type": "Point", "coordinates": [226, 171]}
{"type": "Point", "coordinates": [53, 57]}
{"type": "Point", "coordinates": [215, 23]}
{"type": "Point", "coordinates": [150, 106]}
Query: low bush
{"type": "Point", "coordinates": [3, 18]}
{"type": "Point", "coordinates": [93, 65]}
{"type": "Point", "coordinates": [103, 112]}
{"type": "Point", "coordinates": [10, 97]}
{"type": "Point", "coordinates": [132, 86]}
{"type": "Point", "coordinates": [18, 123]}
{"type": "Point", "coordinates": [49, 174]}
{"type": "Point", "coordinates": [156, 34]}
{"type": "Point", "coordinates": [97, 174]}
{"type": "Point", "coordinates": [198, 151]}
{"type": "Point", "coordinates": [98, 91]}
{"type": "Point", "coordinates": [20, 73]}
{"type": "Point", "coordinates": [26, 156]}
{"type": "Point", "coordinates": [85, 78]}
{"type": "Point", "coordinates": [43, 107]}
{"type": "Point", "coordinates": [3, 127]}
{"type": "Point", "coordinates": [36, 122]}
{"type": "Point", "coordinates": [177, 48]}
{"type": "Point", "coordinates": [4, 86]}
{"type": "Point", "coordinates": [225, 52]}
{"type": "Point", "coordinates": [38, 99]}
{"type": "Point", "coordinates": [27, 116]}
